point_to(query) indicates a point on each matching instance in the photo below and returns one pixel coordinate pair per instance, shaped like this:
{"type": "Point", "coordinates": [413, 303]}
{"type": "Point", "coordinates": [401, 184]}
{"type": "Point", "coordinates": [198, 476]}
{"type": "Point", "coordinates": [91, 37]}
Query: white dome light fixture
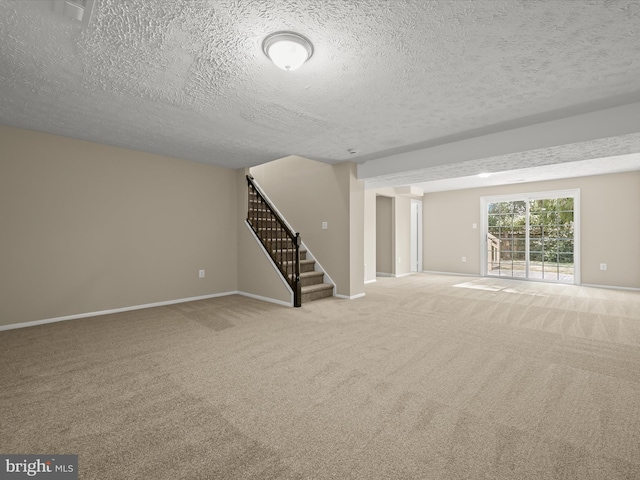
{"type": "Point", "coordinates": [288, 50]}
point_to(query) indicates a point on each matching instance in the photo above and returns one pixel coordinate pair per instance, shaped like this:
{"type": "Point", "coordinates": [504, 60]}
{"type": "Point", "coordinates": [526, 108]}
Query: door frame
{"type": "Point", "coordinates": [416, 236]}
{"type": "Point", "coordinates": [484, 227]}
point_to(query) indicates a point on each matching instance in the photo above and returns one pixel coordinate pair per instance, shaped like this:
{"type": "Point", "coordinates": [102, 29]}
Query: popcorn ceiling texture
{"type": "Point", "coordinates": [607, 155]}
{"type": "Point", "coordinates": [187, 78]}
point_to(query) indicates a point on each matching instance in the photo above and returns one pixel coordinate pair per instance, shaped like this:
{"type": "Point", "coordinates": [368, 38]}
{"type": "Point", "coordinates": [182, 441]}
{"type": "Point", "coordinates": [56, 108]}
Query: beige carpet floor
{"type": "Point", "coordinates": [427, 377]}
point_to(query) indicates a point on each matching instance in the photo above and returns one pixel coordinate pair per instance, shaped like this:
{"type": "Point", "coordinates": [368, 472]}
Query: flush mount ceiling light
{"type": "Point", "coordinates": [288, 50]}
{"type": "Point", "coordinates": [484, 175]}
{"type": "Point", "coordinates": [77, 9]}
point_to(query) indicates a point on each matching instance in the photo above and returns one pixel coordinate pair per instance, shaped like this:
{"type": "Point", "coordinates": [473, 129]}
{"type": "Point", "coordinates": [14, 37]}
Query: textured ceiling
{"type": "Point", "coordinates": [460, 180]}
{"type": "Point", "coordinates": [187, 78]}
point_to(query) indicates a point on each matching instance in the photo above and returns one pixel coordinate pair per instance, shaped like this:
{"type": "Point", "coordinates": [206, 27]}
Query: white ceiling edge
{"type": "Point", "coordinates": [596, 143]}
{"type": "Point", "coordinates": [578, 129]}
{"type": "Point", "coordinates": [583, 168]}
{"type": "Point", "coordinates": [601, 156]}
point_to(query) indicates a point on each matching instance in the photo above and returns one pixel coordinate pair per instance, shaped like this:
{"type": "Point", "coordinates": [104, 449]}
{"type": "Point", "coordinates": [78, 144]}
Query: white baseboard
{"type": "Point", "coordinates": [266, 299]}
{"type": "Point", "coordinates": [452, 273]}
{"type": "Point", "coordinates": [113, 310]}
{"type": "Point", "coordinates": [352, 297]}
{"type": "Point", "coordinates": [612, 287]}
{"type": "Point", "coordinates": [393, 275]}
{"type": "Point", "coordinates": [370, 281]}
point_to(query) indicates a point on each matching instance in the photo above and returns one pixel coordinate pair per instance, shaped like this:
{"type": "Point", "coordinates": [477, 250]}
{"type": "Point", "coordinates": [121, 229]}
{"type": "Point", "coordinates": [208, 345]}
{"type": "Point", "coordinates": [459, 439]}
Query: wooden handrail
{"type": "Point", "coordinates": [282, 243]}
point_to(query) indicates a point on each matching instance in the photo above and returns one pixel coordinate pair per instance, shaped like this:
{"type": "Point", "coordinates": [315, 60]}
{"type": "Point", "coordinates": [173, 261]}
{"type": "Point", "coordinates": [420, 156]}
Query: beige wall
{"type": "Point", "coordinates": [308, 193]}
{"type": "Point", "coordinates": [356, 227]}
{"type": "Point", "coordinates": [402, 235]}
{"type": "Point", "coordinates": [385, 229]}
{"type": "Point", "coordinates": [370, 235]}
{"type": "Point", "coordinates": [88, 227]}
{"type": "Point", "coordinates": [448, 234]}
{"type": "Point", "coordinates": [610, 223]}
{"type": "Point", "coordinates": [610, 227]}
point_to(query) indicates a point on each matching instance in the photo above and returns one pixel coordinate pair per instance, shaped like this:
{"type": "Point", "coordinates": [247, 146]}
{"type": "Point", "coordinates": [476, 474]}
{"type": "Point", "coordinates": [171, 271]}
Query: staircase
{"type": "Point", "coordinates": [285, 249]}
{"type": "Point", "coordinates": [311, 280]}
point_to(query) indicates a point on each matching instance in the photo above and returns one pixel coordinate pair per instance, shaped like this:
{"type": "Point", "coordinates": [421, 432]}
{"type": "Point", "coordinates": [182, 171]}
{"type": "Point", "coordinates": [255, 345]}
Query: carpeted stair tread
{"type": "Point", "coordinates": [311, 274]}
{"type": "Point", "coordinates": [302, 262]}
{"type": "Point", "coordinates": [316, 292]}
{"type": "Point", "coordinates": [317, 287]}
{"type": "Point", "coordinates": [287, 250]}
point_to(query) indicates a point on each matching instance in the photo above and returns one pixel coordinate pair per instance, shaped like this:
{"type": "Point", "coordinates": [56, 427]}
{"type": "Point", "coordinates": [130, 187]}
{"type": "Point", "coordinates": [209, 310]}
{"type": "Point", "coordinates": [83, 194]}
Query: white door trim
{"type": "Point", "coordinates": [416, 235]}
{"type": "Point", "coordinates": [574, 192]}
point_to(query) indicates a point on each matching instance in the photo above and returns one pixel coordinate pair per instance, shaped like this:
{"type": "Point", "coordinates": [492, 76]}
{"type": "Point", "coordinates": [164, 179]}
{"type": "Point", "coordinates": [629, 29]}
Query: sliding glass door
{"type": "Point", "coordinates": [506, 238]}
{"type": "Point", "coordinates": [532, 236]}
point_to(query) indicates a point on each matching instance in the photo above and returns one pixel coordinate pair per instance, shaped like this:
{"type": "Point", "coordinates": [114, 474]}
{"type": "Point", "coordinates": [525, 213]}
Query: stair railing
{"type": "Point", "coordinates": [278, 239]}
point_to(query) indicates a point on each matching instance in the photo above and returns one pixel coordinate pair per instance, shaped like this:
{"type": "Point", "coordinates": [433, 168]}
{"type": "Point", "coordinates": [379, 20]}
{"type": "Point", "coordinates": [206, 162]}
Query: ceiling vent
{"type": "Point", "coordinates": [79, 10]}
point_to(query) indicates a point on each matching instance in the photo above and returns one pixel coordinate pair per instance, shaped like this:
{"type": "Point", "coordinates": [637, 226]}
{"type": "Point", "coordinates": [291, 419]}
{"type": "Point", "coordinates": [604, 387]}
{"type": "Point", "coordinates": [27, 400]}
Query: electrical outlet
{"type": "Point", "coordinates": [603, 266]}
{"type": "Point", "coordinates": [201, 273]}
{"type": "Point", "coordinates": [325, 225]}
{"type": "Point", "coordinates": [474, 226]}
{"type": "Point", "coordinates": [464, 259]}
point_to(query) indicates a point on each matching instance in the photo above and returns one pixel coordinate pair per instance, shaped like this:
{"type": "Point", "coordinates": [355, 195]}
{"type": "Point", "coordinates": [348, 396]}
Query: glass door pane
{"type": "Point", "coordinates": [506, 237]}
{"type": "Point", "coordinates": [531, 238]}
{"type": "Point", "coordinates": [551, 234]}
